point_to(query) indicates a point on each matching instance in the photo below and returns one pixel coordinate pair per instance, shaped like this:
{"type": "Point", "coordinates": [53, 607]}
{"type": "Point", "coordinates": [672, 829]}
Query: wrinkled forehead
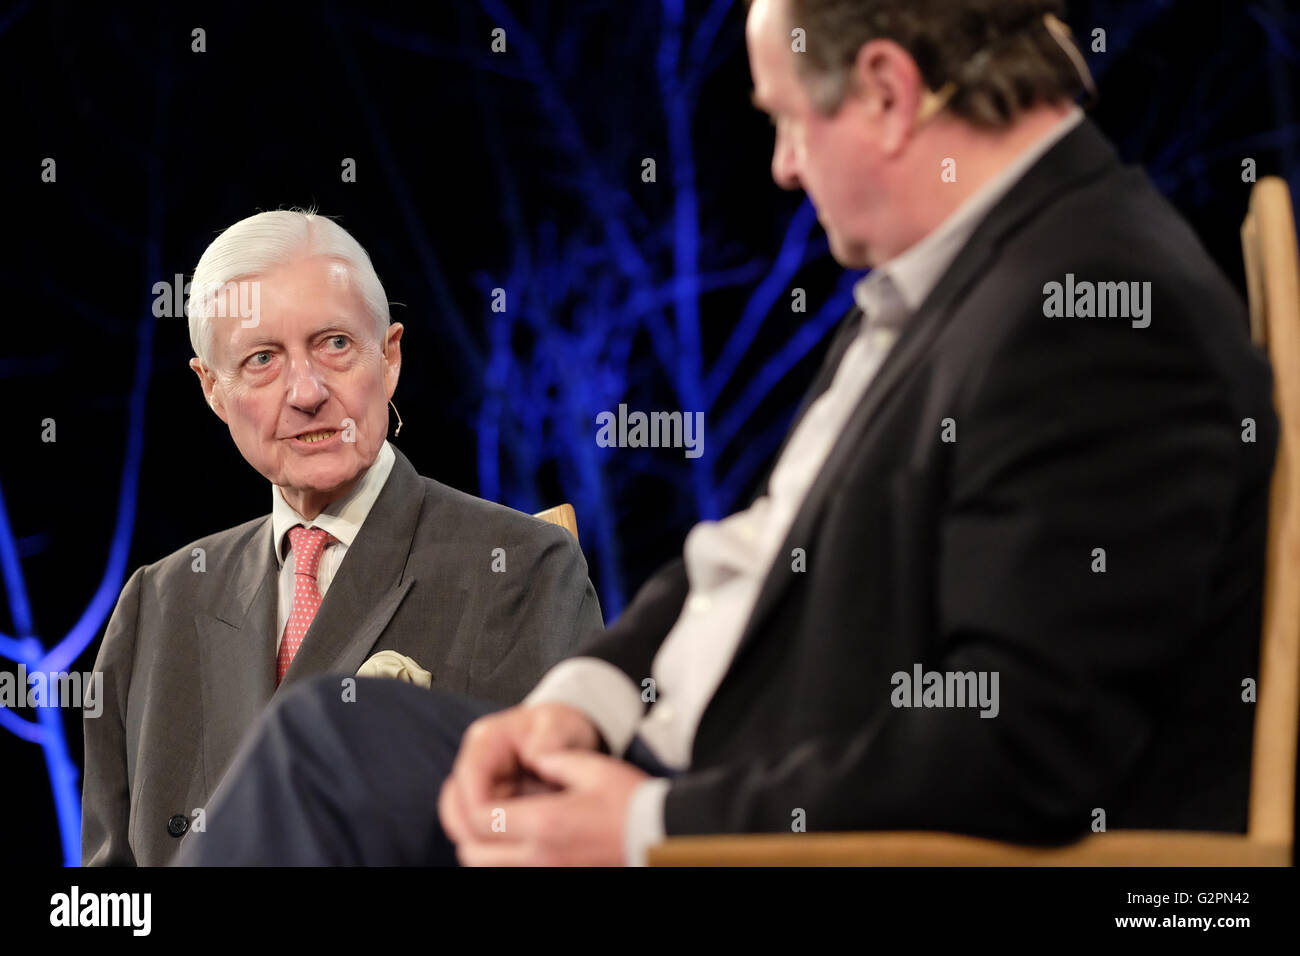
{"type": "Point", "coordinates": [318, 274]}
{"type": "Point", "coordinates": [299, 300]}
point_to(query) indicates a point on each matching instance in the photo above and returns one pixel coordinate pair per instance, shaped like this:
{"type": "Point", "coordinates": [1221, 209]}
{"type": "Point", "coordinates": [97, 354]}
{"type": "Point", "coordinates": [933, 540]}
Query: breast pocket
{"type": "Point", "coordinates": [435, 631]}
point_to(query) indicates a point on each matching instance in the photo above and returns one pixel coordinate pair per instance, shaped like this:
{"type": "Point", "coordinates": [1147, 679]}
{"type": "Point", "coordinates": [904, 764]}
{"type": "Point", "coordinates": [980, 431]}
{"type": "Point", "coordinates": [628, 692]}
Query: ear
{"type": "Point", "coordinates": [392, 356]}
{"type": "Point", "coordinates": [886, 88]}
{"type": "Point", "coordinates": [208, 382]}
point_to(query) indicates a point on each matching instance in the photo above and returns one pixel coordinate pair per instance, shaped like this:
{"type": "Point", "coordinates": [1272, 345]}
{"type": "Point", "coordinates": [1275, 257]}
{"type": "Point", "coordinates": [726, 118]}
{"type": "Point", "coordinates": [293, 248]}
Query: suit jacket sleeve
{"type": "Point", "coordinates": [106, 786]}
{"type": "Point", "coordinates": [634, 639]}
{"type": "Point", "coordinates": [541, 615]}
{"type": "Point", "coordinates": [1078, 436]}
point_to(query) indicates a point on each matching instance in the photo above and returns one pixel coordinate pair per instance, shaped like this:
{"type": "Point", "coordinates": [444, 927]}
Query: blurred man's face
{"type": "Point", "coordinates": [832, 158]}
{"type": "Point", "coordinates": [305, 388]}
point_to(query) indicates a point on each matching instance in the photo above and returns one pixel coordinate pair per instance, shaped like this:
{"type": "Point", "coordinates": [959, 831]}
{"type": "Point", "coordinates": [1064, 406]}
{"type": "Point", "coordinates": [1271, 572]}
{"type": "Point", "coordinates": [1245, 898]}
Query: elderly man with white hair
{"type": "Point", "coordinates": [360, 559]}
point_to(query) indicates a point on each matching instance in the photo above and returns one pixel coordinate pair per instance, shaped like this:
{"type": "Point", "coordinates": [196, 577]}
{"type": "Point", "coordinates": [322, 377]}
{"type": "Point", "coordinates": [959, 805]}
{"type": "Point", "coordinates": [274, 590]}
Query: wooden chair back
{"type": "Point", "coordinates": [563, 515]}
{"type": "Point", "coordinates": [1268, 239]}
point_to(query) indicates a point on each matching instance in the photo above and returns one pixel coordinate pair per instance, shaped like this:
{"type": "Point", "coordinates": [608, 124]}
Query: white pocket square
{"type": "Point", "coordinates": [395, 665]}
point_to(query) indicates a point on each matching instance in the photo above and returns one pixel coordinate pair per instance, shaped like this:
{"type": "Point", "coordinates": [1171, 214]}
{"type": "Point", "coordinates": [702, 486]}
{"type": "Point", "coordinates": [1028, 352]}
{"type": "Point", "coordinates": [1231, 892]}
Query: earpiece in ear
{"type": "Point", "coordinates": [932, 101]}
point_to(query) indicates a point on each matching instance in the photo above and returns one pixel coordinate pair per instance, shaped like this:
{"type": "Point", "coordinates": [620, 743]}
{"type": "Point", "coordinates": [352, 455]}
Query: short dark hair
{"type": "Point", "coordinates": [999, 54]}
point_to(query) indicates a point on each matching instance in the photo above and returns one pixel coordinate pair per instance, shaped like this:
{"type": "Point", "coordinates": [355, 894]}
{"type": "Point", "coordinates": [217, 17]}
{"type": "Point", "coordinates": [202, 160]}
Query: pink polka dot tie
{"type": "Point", "coordinates": [307, 545]}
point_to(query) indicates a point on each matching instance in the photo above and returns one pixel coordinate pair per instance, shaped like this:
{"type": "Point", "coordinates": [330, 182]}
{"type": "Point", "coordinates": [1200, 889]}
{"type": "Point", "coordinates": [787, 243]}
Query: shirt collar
{"type": "Point", "coordinates": [342, 518]}
{"type": "Point", "coordinates": [915, 272]}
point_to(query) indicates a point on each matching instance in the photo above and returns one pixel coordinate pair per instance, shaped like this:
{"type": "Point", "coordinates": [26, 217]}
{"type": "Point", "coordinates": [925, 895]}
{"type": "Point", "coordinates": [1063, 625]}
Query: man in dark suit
{"type": "Point", "coordinates": [359, 556]}
{"type": "Point", "coordinates": [1004, 577]}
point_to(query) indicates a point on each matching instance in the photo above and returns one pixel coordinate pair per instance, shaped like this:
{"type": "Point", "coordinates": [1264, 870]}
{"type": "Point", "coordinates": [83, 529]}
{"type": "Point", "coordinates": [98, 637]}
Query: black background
{"type": "Point", "coordinates": [159, 148]}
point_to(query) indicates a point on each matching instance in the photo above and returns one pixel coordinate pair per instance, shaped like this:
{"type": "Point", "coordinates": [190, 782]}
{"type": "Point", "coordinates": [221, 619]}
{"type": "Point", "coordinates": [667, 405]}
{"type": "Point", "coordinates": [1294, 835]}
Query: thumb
{"type": "Point", "coordinates": [538, 743]}
{"type": "Point", "coordinates": [569, 768]}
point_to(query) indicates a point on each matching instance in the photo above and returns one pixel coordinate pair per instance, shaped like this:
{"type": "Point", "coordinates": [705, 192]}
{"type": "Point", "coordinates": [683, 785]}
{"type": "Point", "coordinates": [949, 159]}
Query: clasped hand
{"type": "Point", "coordinates": [528, 788]}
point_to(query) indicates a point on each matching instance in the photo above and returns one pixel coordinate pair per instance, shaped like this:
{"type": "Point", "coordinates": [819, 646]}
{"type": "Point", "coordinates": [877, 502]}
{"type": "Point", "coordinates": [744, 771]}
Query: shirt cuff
{"type": "Point", "coordinates": [601, 691]}
{"type": "Point", "coordinates": [645, 819]}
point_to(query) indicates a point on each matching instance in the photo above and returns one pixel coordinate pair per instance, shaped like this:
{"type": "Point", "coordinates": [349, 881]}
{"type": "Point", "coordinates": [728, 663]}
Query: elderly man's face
{"type": "Point", "coordinates": [834, 159]}
{"type": "Point", "coordinates": [305, 389]}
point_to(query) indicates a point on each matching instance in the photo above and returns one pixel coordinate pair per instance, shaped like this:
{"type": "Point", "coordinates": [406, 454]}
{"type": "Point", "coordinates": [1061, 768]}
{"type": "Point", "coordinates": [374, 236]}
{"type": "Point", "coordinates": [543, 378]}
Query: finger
{"type": "Point", "coordinates": [572, 769]}
{"type": "Point", "coordinates": [551, 730]}
{"type": "Point", "coordinates": [529, 784]}
{"type": "Point", "coordinates": [478, 821]}
{"type": "Point", "coordinates": [454, 812]}
{"type": "Point", "coordinates": [451, 814]}
{"type": "Point", "coordinates": [479, 853]}
{"type": "Point", "coordinates": [486, 757]}
{"type": "Point", "coordinates": [546, 734]}
{"type": "Point", "coordinates": [541, 819]}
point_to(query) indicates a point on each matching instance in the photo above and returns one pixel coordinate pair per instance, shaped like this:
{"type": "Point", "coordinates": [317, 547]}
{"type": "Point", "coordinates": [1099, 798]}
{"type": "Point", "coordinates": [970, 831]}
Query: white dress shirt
{"type": "Point", "coordinates": [727, 561]}
{"type": "Point", "coordinates": [342, 518]}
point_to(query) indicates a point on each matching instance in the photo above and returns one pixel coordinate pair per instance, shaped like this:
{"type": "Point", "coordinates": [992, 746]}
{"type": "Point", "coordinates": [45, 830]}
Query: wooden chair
{"type": "Point", "coordinates": [562, 515]}
{"type": "Point", "coordinates": [1273, 282]}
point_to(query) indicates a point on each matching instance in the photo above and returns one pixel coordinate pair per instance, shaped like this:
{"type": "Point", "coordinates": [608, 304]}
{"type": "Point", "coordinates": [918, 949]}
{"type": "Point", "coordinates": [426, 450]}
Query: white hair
{"type": "Point", "coordinates": [257, 244]}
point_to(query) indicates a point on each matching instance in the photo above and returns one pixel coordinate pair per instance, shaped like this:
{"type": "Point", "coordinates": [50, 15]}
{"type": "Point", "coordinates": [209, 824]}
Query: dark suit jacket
{"type": "Point", "coordinates": [189, 658]}
{"type": "Point", "coordinates": [1119, 691]}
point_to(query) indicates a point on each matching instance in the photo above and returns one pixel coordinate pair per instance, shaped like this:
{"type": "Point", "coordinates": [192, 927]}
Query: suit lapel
{"type": "Point", "coordinates": [916, 336]}
{"type": "Point", "coordinates": [1081, 154]}
{"type": "Point", "coordinates": [237, 637]}
{"type": "Point", "coordinates": [369, 584]}
{"type": "Point", "coordinates": [845, 333]}
{"type": "Point", "coordinates": [237, 652]}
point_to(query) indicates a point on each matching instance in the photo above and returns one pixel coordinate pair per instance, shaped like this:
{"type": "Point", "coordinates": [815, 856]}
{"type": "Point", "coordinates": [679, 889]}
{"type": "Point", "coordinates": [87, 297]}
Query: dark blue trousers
{"type": "Point", "coordinates": [324, 782]}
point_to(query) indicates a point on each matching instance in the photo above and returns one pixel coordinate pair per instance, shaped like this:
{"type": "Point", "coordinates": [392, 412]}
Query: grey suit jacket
{"type": "Point", "coordinates": [189, 655]}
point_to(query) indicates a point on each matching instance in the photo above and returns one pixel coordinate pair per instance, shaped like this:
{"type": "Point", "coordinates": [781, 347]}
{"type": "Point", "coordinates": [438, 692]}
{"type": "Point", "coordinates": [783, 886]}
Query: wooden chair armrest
{"type": "Point", "coordinates": [918, 848]}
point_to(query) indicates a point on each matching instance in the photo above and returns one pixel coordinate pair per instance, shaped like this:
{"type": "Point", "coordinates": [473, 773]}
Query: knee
{"type": "Point", "coordinates": [306, 700]}
{"type": "Point", "coordinates": [337, 704]}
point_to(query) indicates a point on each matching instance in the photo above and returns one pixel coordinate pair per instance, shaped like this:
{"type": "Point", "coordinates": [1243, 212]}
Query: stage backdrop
{"type": "Point", "coordinates": [592, 168]}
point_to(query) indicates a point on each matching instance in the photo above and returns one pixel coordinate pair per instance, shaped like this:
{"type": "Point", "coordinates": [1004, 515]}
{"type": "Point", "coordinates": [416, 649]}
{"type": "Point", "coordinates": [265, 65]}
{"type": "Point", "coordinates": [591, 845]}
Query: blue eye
{"type": "Point", "coordinates": [257, 355]}
{"type": "Point", "coordinates": [342, 340]}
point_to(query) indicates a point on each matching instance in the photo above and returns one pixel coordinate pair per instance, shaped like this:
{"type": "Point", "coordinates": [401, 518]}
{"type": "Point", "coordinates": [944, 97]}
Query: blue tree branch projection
{"type": "Point", "coordinates": [633, 272]}
{"type": "Point", "coordinates": [26, 648]}
{"type": "Point", "coordinates": [607, 283]}
{"type": "Point", "coordinates": [626, 275]}
{"type": "Point", "coordinates": [609, 302]}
